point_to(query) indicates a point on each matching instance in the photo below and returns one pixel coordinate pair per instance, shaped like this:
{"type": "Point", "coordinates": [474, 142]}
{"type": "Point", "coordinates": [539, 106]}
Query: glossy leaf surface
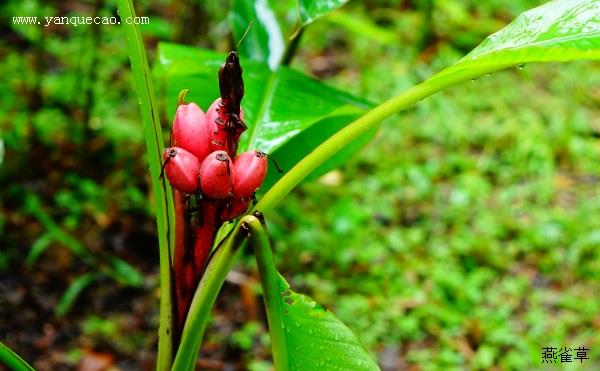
{"type": "Point", "coordinates": [316, 339]}
{"type": "Point", "coordinates": [264, 41]}
{"type": "Point", "coordinates": [279, 106]}
{"type": "Point", "coordinates": [304, 335]}
{"type": "Point", "coordinates": [559, 31]}
{"type": "Point", "coordinates": [313, 9]}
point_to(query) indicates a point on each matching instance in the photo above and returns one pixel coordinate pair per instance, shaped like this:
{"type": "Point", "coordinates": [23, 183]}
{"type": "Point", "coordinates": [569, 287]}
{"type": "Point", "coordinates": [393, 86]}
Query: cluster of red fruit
{"type": "Point", "coordinates": [202, 161]}
{"type": "Point", "coordinates": [211, 183]}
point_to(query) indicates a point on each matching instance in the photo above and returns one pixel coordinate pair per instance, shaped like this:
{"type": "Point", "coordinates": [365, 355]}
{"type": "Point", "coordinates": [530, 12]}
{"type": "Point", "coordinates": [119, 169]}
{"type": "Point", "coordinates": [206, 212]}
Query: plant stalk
{"type": "Point", "coordinates": [206, 293]}
{"type": "Point", "coordinates": [182, 268]}
{"type": "Point", "coordinates": [259, 240]}
{"type": "Point", "coordinates": [352, 131]}
{"type": "Point", "coordinates": [11, 359]}
{"type": "Point", "coordinates": [292, 47]}
{"type": "Point", "coordinates": [163, 200]}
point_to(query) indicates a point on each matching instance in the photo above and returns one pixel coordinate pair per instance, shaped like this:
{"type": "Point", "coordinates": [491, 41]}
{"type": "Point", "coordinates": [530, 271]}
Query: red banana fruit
{"type": "Point", "coordinates": [191, 130]}
{"type": "Point", "coordinates": [182, 169]}
{"type": "Point", "coordinates": [250, 169]}
{"type": "Point", "coordinates": [216, 176]}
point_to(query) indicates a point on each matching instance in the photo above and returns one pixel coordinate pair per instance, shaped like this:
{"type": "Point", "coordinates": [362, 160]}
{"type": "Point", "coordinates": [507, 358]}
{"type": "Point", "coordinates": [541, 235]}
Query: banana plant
{"type": "Point", "coordinates": [307, 142]}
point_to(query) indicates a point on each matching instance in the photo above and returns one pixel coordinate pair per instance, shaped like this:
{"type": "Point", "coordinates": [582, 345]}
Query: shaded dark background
{"type": "Point", "coordinates": [466, 235]}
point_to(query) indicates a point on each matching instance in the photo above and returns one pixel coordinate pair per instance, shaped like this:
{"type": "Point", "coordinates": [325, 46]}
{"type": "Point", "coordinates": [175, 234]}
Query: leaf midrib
{"type": "Point", "coordinates": [262, 108]}
{"type": "Point", "coordinates": [543, 43]}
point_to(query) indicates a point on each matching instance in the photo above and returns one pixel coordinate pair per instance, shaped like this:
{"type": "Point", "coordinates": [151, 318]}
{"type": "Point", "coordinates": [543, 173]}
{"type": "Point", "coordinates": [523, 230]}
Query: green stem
{"type": "Point", "coordinates": [259, 240]}
{"type": "Point", "coordinates": [355, 129]}
{"type": "Point", "coordinates": [292, 47]}
{"type": "Point", "coordinates": [206, 294]}
{"type": "Point", "coordinates": [163, 200]}
{"type": "Point", "coordinates": [12, 360]}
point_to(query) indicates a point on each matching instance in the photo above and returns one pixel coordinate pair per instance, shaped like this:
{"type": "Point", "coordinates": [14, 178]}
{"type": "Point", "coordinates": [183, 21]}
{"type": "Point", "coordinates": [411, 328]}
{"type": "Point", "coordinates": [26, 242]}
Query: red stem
{"type": "Point", "coordinates": [204, 237]}
{"type": "Point", "coordinates": [182, 264]}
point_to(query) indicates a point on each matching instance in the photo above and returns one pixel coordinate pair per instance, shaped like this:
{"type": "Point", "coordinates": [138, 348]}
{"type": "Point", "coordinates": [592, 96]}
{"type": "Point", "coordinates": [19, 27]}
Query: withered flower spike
{"type": "Point", "coordinates": [231, 83]}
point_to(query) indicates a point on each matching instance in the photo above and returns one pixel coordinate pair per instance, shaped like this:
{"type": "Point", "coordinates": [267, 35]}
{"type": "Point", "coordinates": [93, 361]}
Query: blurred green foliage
{"type": "Point", "coordinates": [466, 235]}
